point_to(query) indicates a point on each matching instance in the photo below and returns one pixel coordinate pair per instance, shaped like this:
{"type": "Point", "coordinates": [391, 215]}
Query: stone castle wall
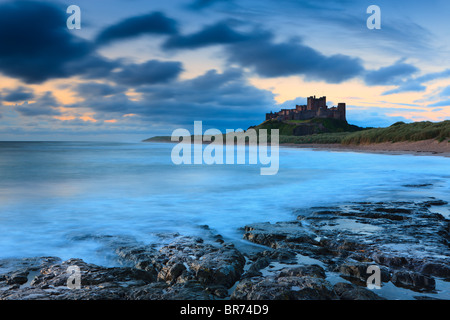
{"type": "Point", "coordinates": [315, 108]}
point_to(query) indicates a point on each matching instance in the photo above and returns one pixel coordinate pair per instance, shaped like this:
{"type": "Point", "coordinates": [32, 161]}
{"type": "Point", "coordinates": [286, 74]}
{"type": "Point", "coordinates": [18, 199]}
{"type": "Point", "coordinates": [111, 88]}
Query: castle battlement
{"type": "Point", "coordinates": [315, 108]}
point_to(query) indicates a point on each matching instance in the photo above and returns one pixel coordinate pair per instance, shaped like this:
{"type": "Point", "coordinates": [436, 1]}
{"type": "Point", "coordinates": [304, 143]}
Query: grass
{"type": "Point", "coordinates": [322, 126]}
{"type": "Point", "coordinates": [284, 128]}
{"type": "Point", "coordinates": [344, 133]}
{"type": "Point", "coordinates": [401, 131]}
{"type": "Point", "coordinates": [321, 138]}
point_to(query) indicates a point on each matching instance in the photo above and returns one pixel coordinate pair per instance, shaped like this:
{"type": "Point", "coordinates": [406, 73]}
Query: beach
{"type": "Point", "coordinates": [424, 147]}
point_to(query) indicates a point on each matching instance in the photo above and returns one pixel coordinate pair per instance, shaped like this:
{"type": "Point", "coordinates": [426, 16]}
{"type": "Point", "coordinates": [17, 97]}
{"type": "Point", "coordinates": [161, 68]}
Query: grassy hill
{"type": "Point", "coordinates": [316, 126]}
{"type": "Point", "coordinates": [401, 131]}
{"type": "Point", "coordinates": [332, 131]}
{"type": "Point", "coordinates": [344, 133]}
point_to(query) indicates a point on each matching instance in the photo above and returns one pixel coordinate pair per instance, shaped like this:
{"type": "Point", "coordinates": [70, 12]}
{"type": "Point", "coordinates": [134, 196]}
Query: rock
{"type": "Point", "coordinates": [434, 203]}
{"type": "Point", "coordinates": [413, 280]}
{"type": "Point", "coordinates": [359, 271]}
{"type": "Point", "coordinates": [284, 288]}
{"type": "Point", "coordinates": [223, 267]}
{"type": "Point", "coordinates": [347, 291]}
{"type": "Point", "coordinates": [191, 290]}
{"type": "Point", "coordinates": [270, 234]}
{"type": "Point", "coordinates": [259, 264]}
{"type": "Point", "coordinates": [172, 272]}
{"type": "Point", "coordinates": [307, 270]}
{"type": "Point", "coordinates": [19, 277]}
{"type": "Point", "coordinates": [392, 261]}
{"type": "Point", "coordinates": [436, 269]}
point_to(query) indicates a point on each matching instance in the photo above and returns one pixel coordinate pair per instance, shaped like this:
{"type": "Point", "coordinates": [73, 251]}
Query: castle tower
{"type": "Point", "coordinates": [315, 104]}
{"type": "Point", "coordinates": [341, 110]}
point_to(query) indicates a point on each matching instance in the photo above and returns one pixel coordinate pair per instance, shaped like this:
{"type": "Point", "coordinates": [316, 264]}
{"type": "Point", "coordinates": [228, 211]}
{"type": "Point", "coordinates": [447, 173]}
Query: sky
{"type": "Point", "coordinates": [140, 68]}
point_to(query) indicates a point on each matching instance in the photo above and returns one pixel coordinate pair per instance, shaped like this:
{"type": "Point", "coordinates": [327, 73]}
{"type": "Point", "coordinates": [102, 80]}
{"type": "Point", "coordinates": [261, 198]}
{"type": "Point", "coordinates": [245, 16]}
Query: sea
{"type": "Point", "coordinates": [60, 198]}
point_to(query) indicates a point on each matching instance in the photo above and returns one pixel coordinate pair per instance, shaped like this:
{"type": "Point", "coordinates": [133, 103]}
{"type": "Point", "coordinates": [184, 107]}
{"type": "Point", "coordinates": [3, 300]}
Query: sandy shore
{"type": "Point", "coordinates": [424, 147]}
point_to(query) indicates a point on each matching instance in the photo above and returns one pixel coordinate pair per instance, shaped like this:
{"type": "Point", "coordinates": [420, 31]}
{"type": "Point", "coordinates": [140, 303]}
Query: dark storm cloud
{"type": "Point", "coordinates": [150, 72]}
{"type": "Point", "coordinates": [95, 89]}
{"type": "Point", "coordinates": [45, 105]}
{"type": "Point", "coordinates": [258, 51]}
{"type": "Point", "coordinates": [219, 99]}
{"type": "Point", "coordinates": [227, 91]}
{"type": "Point", "coordinates": [35, 42]}
{"type": "Point", "coordinates": [92, 67]}
{"type": "Point", "coordinates": [151, 23]}
{"type": "Point", "coordinates": [219, 33]}
{"type": "Point", "coordinates": [17, 94]}
{"type": "Point", "coordinates": [390, 75]}
{"type": "Point", "coordinates": [270, 59]}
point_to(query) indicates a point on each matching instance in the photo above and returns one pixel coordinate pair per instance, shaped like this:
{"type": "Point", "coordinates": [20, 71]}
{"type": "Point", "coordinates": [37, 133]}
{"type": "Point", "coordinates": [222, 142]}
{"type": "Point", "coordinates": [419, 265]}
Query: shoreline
{"type": "Point", "coordinates": [429, 147]}
{"type": "Point", "coordinates": [423, 148]}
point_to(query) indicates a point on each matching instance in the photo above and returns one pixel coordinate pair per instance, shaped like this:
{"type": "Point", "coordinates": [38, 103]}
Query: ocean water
{"type": "Point", "coordinates": [53, 194]}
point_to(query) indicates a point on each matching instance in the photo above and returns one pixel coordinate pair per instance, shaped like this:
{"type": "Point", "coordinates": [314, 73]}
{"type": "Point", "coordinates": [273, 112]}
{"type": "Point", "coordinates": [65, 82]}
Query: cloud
{"type": "Point", "coordinates": [374, 116]}
{"type": "Point", "coordinates": [222, 100]}
{"type": "Point", "coordinates": [445, 92]}
{"type": "Point", "coordinates": [258, 51]}
{"type": "Point", "coordinates": [417, 84]}
{"type": "Point", "coordinates": [45, 105]}
{"type": "Point", "coordinates": [201, 4]}
{"type": "Point", "coordinates": [35, 42]}
{"type": "Point", "coordinates": [18, 94]}
{"type": "Point", "coordinates": [151, 23]}
{"type": "Point", "coordinates": [218, 33]}
{"type": "Point", "coordinates": [390, 75]}
{"type": "Point", "coordinates": [270, 59]}
{"type": "Point", "coordinates": [150, 72]}
{"type": "Point", "coordinates": [95, 89]}
{"type": "Point", "coordinates": [443, 103]}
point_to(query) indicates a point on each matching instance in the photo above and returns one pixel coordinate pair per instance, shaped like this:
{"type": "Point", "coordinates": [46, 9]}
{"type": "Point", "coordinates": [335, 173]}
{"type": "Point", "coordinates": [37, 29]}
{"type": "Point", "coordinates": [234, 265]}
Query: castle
{"type": "Point", "coordinates": [316, 108]}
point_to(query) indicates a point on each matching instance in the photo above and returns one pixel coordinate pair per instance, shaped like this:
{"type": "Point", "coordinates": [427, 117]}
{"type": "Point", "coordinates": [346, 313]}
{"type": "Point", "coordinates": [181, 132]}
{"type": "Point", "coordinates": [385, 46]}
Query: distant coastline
{"type": "Point", "coordinates": [419, 138]}
{"type": "Point", "coordinates": [424, 147]}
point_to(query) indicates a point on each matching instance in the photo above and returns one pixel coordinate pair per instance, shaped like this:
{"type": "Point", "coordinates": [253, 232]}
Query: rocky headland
{"type": "Point", "coordinates": [322, 255]}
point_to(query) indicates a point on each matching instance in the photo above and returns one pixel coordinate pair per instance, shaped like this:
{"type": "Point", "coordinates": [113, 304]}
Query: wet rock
{"type": "Point", "coordinates": [210, 264]}
{"type": "Point", "coordinates": [259, 264]}
{"type": "Point", "coordinates": [434, 203]}
{"type": "Point", "coordinates": [347, 291]}
{"type": "Point", "coordinates": [436, 269]}
{"type": "Point", "coordinates": [413, 280]}
{"type": "Point", "coordinates": [284, 288]}
{"type": "Point", "coordinates": [270, 234]}
{"type": "Point", "coordinates": [307, 270]}
{"type": "Point", "coordinates": [172, 272]}
{"type": "Point", "coordinates": [223, 267]}
{"type": "Point", "coordinates": [359, 271]}
{"type": "Point", "coordinates": [391, 260]}
{"type": "Point", "coordinates": [191, 290]}
{"type": "Point", "coordinates": [19, 277]}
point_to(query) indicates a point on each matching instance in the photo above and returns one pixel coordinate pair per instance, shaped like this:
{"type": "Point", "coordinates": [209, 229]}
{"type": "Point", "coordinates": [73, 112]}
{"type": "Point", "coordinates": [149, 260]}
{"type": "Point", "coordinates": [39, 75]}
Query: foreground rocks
{"type": "Point", "coordinates": [323, 255]}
